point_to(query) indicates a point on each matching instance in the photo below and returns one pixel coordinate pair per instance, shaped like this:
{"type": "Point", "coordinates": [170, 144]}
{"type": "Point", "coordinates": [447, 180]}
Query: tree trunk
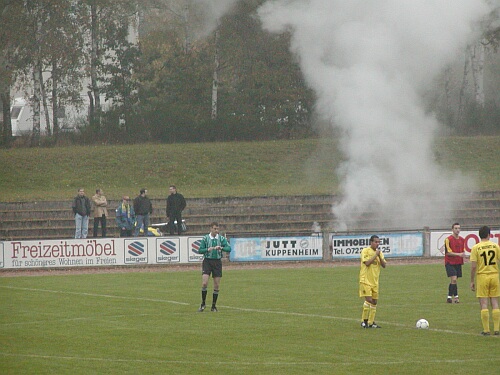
{"type": "Point", "coordinates": [215, 81]}
{"type": "Point", "coordinates": [55, 102]}
{"type": "Point", "coordinates": [463, 88]}
{"type": "Point", "coordinates": [91, 109]}
{"type": "Point", "coordinates": [187, 37]}
{"type": "Point", "coordinates": [5, 84]}
{"type": "Point", "coordinates": [43, 96]}
{"type": "Point", "coordinates": [94, 57]}
{"type": "Point", "coordinates": [477, 62]}
{"type": "Point", "coordinates": [7, 123]}
{"type": "Point", "coordinates": [447, 93]}
{"type": "Point", "coordinates": [35, 104]}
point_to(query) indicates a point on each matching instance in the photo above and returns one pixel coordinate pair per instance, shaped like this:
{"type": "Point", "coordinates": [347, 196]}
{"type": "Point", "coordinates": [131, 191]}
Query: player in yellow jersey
{"type": "Point", "coordinates": [484, 279]}
{"type": "Point", "coordinates": [371, 260]}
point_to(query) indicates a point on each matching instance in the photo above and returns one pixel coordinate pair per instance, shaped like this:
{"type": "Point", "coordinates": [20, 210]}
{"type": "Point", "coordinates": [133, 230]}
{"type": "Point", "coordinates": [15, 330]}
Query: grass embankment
{"type": "Point", "coordinates": [270, 168]}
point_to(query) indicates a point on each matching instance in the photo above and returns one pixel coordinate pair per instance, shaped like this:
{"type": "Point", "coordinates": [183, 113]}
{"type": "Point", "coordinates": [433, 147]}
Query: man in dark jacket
{"type": "Point", "coordinates": [143, 208]}
{"type": "Point", "coordinates": [81, 209]}
{"type": "Point", "coordinates": [175, 205]}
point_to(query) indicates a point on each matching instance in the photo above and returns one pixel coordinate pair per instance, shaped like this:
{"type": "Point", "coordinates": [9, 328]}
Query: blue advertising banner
{"type": "Point", "coordinates": [409, 244]}
{"type": "Point", "coordinates": [276, 248]}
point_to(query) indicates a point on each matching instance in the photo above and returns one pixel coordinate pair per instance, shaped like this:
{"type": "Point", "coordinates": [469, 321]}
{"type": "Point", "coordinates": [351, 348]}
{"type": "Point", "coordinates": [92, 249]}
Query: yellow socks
{"type": "Point", "coordinates": [496, 319]}
{"type": "Point", "coordinates": [366, 311]}
{"type": "Point", "coordinates": [485, 319]}
{"type": "Point", "coordinates": [371, 316]}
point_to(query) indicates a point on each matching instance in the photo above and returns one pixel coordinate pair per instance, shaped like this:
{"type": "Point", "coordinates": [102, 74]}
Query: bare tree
{"type": "Point", "coordinates": [95, 112]}
{"type": "Point", "coordinates": [464, 86]}
{"type": "Point", "coordinates": [215, 81]}
{"type": "Point", "coordinates": [33, 11]}
{"type": "Point", "coordinates": [477, 53]}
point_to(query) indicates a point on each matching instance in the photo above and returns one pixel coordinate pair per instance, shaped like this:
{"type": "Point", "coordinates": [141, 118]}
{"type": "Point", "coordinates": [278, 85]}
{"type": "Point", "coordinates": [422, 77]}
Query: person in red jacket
{"type": "Point", "coordinates": [454, 252]}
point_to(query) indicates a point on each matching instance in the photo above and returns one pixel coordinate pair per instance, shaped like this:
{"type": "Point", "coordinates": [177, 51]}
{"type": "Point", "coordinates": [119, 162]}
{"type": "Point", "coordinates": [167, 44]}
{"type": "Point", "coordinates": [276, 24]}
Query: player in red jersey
{"type": "Point", "coordinates": [454, 252]}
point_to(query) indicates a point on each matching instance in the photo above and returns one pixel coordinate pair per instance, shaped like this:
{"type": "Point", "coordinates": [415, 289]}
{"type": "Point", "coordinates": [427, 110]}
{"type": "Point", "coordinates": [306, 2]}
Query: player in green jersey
{"type": "Point", "coordinates": [212, 246]}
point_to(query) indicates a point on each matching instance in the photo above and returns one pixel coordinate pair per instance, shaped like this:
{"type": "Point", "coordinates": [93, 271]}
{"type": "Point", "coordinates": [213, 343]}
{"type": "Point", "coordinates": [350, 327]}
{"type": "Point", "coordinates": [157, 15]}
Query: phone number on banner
{"type": "Point", "coordinates": [391, 245]}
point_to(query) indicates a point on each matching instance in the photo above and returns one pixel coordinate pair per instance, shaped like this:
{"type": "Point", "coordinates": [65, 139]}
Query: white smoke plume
{"type": "Point", "coordinates": [369, 62]}
{"type": "Point", "coordinates": [212, 11]}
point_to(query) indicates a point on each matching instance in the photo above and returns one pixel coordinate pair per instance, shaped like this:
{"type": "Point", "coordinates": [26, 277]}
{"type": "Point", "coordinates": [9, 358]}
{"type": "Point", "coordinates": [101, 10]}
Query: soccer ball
{"type": "Point", "coordinates": [422, 324]}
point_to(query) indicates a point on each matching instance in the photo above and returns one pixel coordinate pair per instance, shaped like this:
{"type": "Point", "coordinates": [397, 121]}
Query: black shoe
{"type": "Point", "coordinates": [449, 300]}
{"type": "Point", "coordinates": [374, 325]}
{"type": "Point", "coordinates": [497, 333]}
{"type": "Point", "coordinates": [213, 309]}
{"type": "Point", "coordinates": [364, 324]}
{"type": "Point", "coordinates": [202, 308]}
{"type": "Point", "coordinates": [485, 333]}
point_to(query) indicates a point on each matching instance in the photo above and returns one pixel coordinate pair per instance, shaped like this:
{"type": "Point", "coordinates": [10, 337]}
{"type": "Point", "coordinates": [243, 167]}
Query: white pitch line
{"type": "Point", "coordinates": [96, 295]}
{"type": "Point", "coordinates": [101, 318]}
{"type": "Point", "coordinates": [237, 363]}
{"type": "Point", "coordinates": [342, 318]}
{"type": "Point", "coordinates": [290, 313]}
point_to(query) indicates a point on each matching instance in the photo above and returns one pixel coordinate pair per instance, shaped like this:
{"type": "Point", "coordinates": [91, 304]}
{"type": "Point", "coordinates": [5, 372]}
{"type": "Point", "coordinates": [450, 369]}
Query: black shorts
{"type": "Point", "coordinates": [212, 266]}
{"type": "Point", "coordinates": [453, 270]}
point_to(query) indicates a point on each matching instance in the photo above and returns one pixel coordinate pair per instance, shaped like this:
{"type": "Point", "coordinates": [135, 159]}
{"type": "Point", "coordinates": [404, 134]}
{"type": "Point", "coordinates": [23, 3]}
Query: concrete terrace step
{"type": "Point", "coordinates": [229, 234]}
{"type": "Point", "coordinates": [237, 216]}
{"type": "Point", "coordinates": [202, 221]}
{"type": "Point", "coordinates": [220, 205]}
{"type": "Point", "coordinates": [195, 202]}
{"type": "Point", "coordinates": [190, 220]}
{"type": "Point", "coordinates": [68, 231]}
{"type": "Point", "coordinates": [201, 227]}
{"type": "Point", "coordinates": [219, 210]}
{"type": "Point", "coordinates": [239, 228]}
{"type": "Point", "coordinates": [228, 211]}
{"type": "Point", "coordinates": [262, 200]}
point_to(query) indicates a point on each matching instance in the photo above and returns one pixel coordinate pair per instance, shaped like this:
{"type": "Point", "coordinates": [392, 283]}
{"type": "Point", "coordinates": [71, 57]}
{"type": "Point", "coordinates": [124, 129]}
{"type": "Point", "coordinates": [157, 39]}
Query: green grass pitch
{"type": "Point", "coordinates": [270, 321]}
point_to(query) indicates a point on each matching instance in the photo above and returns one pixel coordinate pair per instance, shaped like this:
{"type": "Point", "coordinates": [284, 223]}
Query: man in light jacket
{"type": "Point", "coordinates": [100, 212]}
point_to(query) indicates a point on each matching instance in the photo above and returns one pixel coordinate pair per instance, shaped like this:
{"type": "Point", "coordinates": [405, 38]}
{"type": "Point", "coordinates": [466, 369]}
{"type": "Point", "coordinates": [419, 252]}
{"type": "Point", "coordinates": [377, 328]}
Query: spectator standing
{"type": "Point", "coordinates": [454, 252]}
{"type": "Point", "coordinates": [125, 217]}
{"type": "Point", "coordinates": [100, 212]}
{"type": "Point", "coordinates": [484, 279]}
{"type": "Point", "coordinates": [212, 245]}
{"type": "Point", "coordinates": [372, 259]}
{"type": "Point", "coordinates": [81, 209]}
{"type": "Point", "coordinates": [175, 205]}
{"type": "Point", "coordinates": [143, 208]}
